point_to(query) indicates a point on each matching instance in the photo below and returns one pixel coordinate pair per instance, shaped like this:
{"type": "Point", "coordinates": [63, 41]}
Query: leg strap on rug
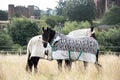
{"type": "Point", "coordinates": [69, 53]}
{"type": "Point", "coordinates": [79, 55]}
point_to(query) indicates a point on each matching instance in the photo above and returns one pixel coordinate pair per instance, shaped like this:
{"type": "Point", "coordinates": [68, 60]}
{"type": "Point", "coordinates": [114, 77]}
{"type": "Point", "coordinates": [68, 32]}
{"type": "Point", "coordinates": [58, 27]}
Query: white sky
{"type": "Point", "coordinates": [42, 4]}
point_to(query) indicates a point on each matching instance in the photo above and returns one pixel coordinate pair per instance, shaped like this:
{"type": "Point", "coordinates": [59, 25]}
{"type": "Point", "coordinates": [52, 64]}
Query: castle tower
{"type": "Point", "coordinates": [10, 11]}
{"type": "Point", "coordinates": [30, 10]}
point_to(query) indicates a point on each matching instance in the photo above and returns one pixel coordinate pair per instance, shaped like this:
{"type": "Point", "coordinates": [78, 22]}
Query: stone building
{"type": "Point", "coordinates": [21, 11]}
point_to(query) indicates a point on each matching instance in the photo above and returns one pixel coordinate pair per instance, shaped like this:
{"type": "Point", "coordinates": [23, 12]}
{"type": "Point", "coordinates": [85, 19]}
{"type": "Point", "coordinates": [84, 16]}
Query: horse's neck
{"type": "Point", "coordinates": [60, 35]}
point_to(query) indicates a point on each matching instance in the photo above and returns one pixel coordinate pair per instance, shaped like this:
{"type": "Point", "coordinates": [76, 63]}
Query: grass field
{"type": "Point", "coordinates": [12, 67]}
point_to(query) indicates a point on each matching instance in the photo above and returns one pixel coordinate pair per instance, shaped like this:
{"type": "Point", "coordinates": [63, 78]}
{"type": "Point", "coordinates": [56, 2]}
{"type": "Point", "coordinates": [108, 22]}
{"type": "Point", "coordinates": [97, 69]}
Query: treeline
{"type": "Point", "coordinates": [20, 30]}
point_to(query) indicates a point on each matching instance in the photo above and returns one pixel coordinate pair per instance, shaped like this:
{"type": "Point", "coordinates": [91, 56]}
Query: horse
{"type": "Point", "coordinates": [76, 34]}
{"type": "Point", "coordinates": [36, 51]}
{"type": "Point", "coordinates": [87, 46]}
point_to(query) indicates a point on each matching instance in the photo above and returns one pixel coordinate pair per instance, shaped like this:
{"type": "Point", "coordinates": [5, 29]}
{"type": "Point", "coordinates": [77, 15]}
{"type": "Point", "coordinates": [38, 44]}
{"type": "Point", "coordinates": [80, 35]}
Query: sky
{"type": "Point", "coordinates": [42, 4]}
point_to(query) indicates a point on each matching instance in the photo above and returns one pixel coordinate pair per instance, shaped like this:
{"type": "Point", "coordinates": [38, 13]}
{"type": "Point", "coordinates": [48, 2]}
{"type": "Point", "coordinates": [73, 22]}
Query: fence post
{"type": "Point", "coordinates": [20, 51]}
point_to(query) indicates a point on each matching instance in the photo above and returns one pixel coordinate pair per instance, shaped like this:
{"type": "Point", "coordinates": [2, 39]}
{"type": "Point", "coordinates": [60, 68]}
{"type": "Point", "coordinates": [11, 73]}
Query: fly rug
{"type": "Point", "coordinates": [63, 47]}
{"type": "Point", "coordinates": [36, 51]}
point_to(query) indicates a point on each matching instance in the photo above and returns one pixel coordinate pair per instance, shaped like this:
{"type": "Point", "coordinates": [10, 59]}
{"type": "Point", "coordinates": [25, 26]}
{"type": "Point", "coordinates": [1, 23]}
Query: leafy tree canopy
{"type": "Point", "coordinates": [21, 30]}
{"type": "Point", "coordinates": [110, 39]}
{"type": "Point", "coordinates": [3, 15]}
{"type": "Point", "coordinates": [5, 40]}
{"type": "Point", "coordinates": [80, 10]}
{"type": "Point", "coordinates": [55, 20]}
{"type": "Point", "coordinates": [112, 16]}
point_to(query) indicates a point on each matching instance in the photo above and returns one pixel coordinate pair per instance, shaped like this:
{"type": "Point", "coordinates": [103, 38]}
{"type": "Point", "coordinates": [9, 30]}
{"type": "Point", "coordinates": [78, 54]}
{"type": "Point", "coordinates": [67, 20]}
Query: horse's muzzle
{"type": "Point", "coordinates": [44, 44]}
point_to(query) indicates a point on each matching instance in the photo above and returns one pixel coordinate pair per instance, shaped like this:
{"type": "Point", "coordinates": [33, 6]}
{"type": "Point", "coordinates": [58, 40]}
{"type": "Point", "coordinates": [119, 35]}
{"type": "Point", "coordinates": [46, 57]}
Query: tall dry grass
{"type": "Point", "coordinates": [12, 67]}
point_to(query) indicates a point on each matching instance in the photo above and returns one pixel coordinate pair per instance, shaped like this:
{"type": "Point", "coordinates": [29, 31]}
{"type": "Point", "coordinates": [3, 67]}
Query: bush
{"type": "Point", "coordinates": [112, 16]}
{"type": "Point", "coordinates": [55, 20]}
{"type": "Point", "coordinates": [70, 26]}
{"type": "Point", "coordinates": [21, 30]}
{"type": "Point", "coordinates": [109, 40]}
{"type": "Point", "coordinates": [5, 40]}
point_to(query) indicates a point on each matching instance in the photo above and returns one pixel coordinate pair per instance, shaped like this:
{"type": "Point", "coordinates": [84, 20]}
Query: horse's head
{"type": "Point", "coordinates": [47, 36]}
{"type": "Point", "coordinates": [93, 33]}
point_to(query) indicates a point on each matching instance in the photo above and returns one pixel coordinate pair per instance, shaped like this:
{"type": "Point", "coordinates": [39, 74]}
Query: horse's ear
{"type": "Point", "coordinates": [43, 29]}
{"type": "Point", "coordinates": [48, 28]}
{"type": "Point", "coordinates": [92, 28]}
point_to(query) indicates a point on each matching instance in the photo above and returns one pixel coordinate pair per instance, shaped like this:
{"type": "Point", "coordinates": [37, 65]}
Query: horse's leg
{"type": "Point", "coordinates": [35, 62]}
{"type": "Point", "coordinates": [59, 65]}
{"type": "Point", "coordinates": [85, 64]}
{"type": "Point", "coordinates": [68, 64]}
{"type": "Point", "coordinates": [97, 65]}
{"type": "Point", "coordinates": [29, 64]}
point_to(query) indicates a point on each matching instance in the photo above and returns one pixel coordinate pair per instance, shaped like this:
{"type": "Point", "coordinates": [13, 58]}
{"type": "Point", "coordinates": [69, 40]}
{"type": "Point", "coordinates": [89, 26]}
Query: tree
{"type": "Point", "coordinates": [51, 22]}
{"type": "Point", "coordinates": [48, 12]}
{"type": "Point", "coordinates": [60, 6]}
{"type": "Point", "coordinates": [55, 20]}
{"type": "Point", "coordinates": [110, 39]}
{"type": "Point", "coordinates": [80, 10]}
{"type": "Point", "coordinates": [21, 30]}
{"type": "Point", "coordinates": [112, 16]}
{"type": "Point", "coordinates": [37, 12]}
{"type": "Point", "coordinates": [5, 40]}
{"type": "Point", "coordinates": [3, 15]}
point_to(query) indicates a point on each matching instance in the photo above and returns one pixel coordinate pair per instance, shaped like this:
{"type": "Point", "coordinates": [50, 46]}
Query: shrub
{"type": "Point", "coordinates": [70, 26]}
{"type": "Point", "coordinates": [21, 30]}
{"type": "Point", "coordinates": [5, 40]}
{"type": "Point", "coordinates": [109, 40]}
{"type": "Point", "coordinates": [112, 16]}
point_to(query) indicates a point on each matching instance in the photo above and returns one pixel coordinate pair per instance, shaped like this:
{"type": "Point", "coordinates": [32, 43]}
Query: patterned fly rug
{"type": "Point", "coordinates": [84, 48]}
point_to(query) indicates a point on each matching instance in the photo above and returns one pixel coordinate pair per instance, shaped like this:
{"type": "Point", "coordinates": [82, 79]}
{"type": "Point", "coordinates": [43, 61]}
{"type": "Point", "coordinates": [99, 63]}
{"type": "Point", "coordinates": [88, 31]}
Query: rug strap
{"type": "Point", "coordinates": [79, 55]}
{"type": "Point", "coordinates": [69, 53]}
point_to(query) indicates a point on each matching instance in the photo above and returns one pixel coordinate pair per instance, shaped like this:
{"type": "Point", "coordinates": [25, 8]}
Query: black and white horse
{"type": "Point", "coordinates": [36, 51]}
{"type": "Point", "coordinates": [86, 46]}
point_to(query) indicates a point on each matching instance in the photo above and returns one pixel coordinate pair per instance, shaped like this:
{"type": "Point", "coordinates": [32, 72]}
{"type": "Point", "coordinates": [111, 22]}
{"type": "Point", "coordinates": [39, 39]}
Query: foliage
{"type": "Point", "coordinates": [21, 30]}
{"type": "Point", "coordinates": [5, 40]}
{"type": "Point", "coordinates": [80, 10]}
{"type": "Point", "coordinates": [37, 13]}
{"type": "Point", "coordinates": [43, 23]}
{"type": "Point", "coordinates": [69, 26]}
{"type": "Point", "coordinates": [109, 40]}
{"type": "Point", "coordinates": [112, 16]}
{"type": "Point", "coordinates": [48, 12]}
{"type": "Point", "coordinates": [60, 6]}
{"type": "Point", "coordinates": [55, 20]}
{"type": "Point", "coordinates": [16, 15]}
{"type": "Point", "coordinates": [3, 15]}
{"type": "Point", "coordinates": [51, 22]}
